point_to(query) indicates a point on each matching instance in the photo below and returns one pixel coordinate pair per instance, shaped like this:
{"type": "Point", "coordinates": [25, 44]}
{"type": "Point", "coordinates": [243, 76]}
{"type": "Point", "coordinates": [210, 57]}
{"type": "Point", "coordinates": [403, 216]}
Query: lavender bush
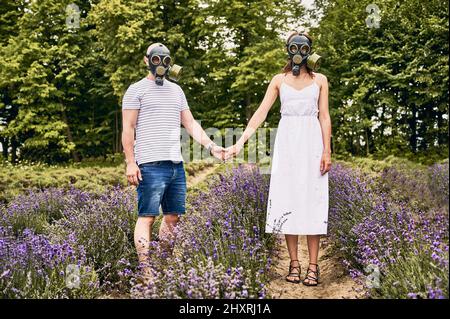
{"type": "Point", "coordinates": [438, 183]}
{"type": "Point", "coordinates": [103, 226]}
{"type": "Point", "coordinates": [384, 237]}
{"type": "Point", "coordinates": [221, 249]}
{"type": "Point", "coordinates": [37, 210]}
{"type": "Point", "coordinates": [100, 225]}
{"type": "Point", "coordinates": [187, 278]}
{"type": "Point", "coordinates": [33, 267]}
{"type": "Point", "coordinates": [391, 230]}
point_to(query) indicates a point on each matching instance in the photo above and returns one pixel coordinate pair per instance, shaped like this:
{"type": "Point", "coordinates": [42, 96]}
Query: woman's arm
{"type": "Point", "coordinates": [259, 116]}
{"type": "Point", "coordinates": [325, 124]}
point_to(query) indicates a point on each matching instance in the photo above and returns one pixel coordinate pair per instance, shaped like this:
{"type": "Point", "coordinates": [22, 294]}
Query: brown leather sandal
{"type": "Point", "coordinates": [310, 278]}
{"type": "Point", "coordinates": [294, 274]}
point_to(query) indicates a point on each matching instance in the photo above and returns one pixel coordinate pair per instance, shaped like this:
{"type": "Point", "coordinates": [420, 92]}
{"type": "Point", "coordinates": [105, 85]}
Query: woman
{"type": "Point", "coordinates": [298, 195]}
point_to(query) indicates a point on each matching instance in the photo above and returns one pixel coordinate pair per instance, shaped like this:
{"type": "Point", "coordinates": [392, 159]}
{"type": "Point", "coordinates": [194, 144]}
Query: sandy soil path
{"type": "Point", "coordinates": [200, 176]}
{"type": "Point", "coordinates": [335, 283]}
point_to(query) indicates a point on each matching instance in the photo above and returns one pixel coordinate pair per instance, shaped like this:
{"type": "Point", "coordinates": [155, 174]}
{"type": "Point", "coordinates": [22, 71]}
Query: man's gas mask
{"type": "Point", "coordinates": [299, 50]}
{"type": "Point", "coordinates": [159, 64]}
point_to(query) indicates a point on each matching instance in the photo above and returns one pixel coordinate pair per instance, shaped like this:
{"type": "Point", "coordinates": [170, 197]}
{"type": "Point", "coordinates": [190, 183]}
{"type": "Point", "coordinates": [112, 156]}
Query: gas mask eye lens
{"type": "Point", "coordinates": [155, 60]}
{"type": "Point", "coordinates": [293, 48]}
{"type": "Point", "coordinates": [167, 60]}
{"type": "Point", "coordinates": [304, 50]}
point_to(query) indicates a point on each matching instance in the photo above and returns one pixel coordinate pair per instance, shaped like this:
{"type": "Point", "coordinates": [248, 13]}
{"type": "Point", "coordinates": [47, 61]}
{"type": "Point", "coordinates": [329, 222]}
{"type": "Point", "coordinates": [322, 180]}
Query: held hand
{"type": "Point", "coordinates": [218, 152]}
{"type": "Point", "coordinates": [325, 162]}
{"type": "Point", "coordinates": [133, 174]}
{"type": "Point", "coordinates": [232, 151]}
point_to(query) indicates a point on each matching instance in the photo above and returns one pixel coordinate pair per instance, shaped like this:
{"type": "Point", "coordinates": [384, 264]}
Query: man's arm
{"type": "Point", "coordinates": [195, 130]}
{"type": "Point", "coordinates": [129, 119]}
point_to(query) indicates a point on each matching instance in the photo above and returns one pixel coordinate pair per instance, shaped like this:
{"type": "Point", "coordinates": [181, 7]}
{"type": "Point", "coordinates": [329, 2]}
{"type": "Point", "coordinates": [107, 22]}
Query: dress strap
{"type": "Point", "coordinates": [282, 81]}
{"type": "Point", "coordinates": [314, 80]}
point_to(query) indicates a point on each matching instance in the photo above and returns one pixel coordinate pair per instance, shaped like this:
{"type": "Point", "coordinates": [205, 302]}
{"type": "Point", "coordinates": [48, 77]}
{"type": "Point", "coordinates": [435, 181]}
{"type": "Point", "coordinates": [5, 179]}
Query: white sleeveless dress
{"type": "Point", "coordinates": [298, 195]}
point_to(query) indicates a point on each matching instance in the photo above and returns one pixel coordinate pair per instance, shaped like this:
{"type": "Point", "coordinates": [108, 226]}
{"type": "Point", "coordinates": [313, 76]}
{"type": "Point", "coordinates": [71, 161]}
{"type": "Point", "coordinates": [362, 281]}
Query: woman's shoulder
{"type": "Point", "coordinates": [277, 79]}
{"type": "Point", "coordinates": [320, 77]}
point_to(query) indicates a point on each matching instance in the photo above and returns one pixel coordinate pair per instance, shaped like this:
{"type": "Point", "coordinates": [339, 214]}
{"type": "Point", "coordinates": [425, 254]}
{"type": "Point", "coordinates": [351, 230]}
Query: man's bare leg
{"type": "Point", "coordinates": [166, 231]}
{"type": "Point", "coordinates": [142, 237]}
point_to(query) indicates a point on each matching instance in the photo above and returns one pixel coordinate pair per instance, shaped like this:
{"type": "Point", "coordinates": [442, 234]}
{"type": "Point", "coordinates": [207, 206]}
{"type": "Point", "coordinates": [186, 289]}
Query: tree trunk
{"type": "Point", "coordinates": [367, 142]}
{"type": "Point", "coordinates": [413, 129]}
{"type": "Point", "coordinates": [5, 145]}
{"type": "Point", "coordinates": [75, 155]}
{"type": "Point", "coordinates": [13, 150]}
{"type": "Point", "coordinates": [117, 146]}
{"type": "Point", "coordinates": [440, 138]}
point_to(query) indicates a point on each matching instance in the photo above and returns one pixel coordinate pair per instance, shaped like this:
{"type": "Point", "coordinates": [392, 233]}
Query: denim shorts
{"type": "Point", "coordinates": [163, 184]}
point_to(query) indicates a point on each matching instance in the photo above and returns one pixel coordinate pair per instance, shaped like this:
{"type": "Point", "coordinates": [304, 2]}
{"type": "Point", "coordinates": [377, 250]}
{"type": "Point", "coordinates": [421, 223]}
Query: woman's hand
{"type": "Point", "coordinates": [232, 151]}
{"type": "Point", "coordinates": [325, 162]}
{"type": "Point", "coordinates": [218, 152]}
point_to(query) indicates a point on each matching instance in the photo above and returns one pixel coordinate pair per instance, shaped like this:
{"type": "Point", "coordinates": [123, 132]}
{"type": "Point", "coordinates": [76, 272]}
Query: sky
{"type": "Point", "coordinates": [307, 3]}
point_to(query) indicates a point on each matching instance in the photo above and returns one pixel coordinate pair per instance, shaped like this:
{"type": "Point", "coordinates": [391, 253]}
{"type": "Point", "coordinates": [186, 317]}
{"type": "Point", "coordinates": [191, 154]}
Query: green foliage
{"type": "Point", "coordinates": [61, 88]}
{"type": "Point", "coordinates": [16, 180]}
{"type": "Point", "coordinates": [389, 85]}
{"type": "Point", "coordinates": [412, 272]}
{"type": "Point", "coordinates": [93, 175]}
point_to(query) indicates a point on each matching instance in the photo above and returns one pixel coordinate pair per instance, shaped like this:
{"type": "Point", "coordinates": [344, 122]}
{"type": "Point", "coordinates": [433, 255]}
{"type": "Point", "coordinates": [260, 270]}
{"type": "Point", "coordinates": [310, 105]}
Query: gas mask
{"type": "Point", "coordinates": [159, 64]}
{"type": "Point", "coordinates": [299, 50]}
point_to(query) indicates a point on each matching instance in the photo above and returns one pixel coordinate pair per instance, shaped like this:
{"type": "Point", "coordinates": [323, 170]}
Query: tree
{"type": "Point", "coordinates": [388, 85]}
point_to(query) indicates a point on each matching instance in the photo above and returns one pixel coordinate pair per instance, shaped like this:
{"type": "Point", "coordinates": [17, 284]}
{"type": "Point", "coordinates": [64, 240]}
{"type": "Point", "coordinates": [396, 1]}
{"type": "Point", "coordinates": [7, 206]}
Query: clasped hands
{"type": "Point", "coordinates": [224, 154]}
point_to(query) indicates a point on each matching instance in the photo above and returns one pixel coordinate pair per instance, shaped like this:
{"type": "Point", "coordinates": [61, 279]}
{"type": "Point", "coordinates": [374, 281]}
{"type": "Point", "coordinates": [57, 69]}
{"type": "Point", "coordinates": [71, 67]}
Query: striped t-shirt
{"type": "Point", "coordinates": [158, 122]}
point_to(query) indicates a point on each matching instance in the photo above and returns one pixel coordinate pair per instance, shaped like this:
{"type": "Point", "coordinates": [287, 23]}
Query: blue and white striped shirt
{"type": "Point", "coordinates": [159, 119]}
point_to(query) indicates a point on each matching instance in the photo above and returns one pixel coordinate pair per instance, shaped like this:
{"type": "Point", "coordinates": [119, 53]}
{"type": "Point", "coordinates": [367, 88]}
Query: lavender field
{"type": "Point", "coordinates": [389, 227]}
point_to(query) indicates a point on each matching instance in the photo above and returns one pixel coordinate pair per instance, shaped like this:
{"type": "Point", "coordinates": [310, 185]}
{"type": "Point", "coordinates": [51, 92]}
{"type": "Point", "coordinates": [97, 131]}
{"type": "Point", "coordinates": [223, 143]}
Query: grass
{"type": "Point", "coordinates": [93, 175]}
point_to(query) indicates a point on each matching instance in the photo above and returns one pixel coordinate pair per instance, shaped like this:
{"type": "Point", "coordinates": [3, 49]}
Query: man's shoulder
{"type": "Point", "coordinates": [138, 84]}
{"type": "Point", "coordinates": [143, 85]}
{"type": "Point", "coordinates": [174, 85]}
{"type": "Point", "coordinates": [135, 87]}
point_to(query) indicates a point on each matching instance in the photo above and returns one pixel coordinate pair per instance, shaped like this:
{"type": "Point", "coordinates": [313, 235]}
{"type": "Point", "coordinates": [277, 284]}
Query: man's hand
{"type": "Point", "coordinates": [325, 162]}
{"type": "Point", "coordinates": [218, 152]}
{"type": "Point", "coordinates": [133, 174]}
{"type": "Point", "coordinates": [232, 151]}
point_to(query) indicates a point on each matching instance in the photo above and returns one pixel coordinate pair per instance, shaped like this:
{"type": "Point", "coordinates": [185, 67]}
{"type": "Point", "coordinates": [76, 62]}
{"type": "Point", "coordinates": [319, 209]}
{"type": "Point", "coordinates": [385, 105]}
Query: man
{"type": "Point", "coordinates": [154, 108]}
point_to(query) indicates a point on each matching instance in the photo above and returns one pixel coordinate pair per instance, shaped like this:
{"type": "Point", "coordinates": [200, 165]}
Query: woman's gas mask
{"type": "Point", "coordinates": [159, 64]}
{"type": "Point", "coordinates": [299, 50]}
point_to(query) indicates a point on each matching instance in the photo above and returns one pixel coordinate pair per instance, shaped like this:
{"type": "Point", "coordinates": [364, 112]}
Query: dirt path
{"type": "Point", "coordinates": [334, 282]}
{"type": "Point", "coordinates": [200, 176]}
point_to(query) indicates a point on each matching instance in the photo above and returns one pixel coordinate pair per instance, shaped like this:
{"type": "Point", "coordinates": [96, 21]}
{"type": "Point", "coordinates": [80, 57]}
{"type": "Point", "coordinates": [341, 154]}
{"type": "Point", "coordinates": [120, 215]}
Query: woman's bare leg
{"type": "Point", "coordinates": [292, 246]}
{"type": "Point", "coordinates": [313, 249]}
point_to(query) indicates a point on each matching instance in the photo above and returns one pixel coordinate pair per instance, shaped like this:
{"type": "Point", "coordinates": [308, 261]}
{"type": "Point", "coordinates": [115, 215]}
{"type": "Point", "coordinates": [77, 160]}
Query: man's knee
{"type": "Point", "coordinates": [146, 220]}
